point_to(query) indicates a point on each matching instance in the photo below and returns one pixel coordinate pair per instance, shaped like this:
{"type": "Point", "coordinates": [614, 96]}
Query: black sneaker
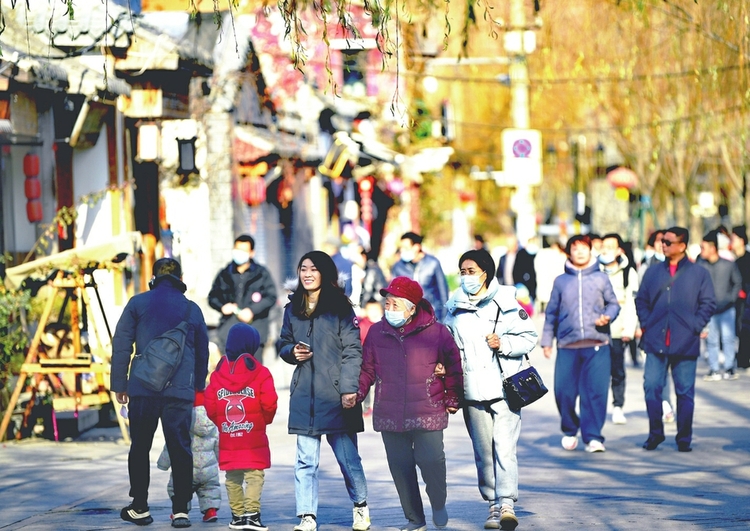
{"type": "Point", "coordinates": [252, 522]}
{"type": "Point", "coordinates": [238, 522]}
{"type": "Point", "coordinates": [136, 516]}
{"type": "Point", "coordinates": [181, 520]}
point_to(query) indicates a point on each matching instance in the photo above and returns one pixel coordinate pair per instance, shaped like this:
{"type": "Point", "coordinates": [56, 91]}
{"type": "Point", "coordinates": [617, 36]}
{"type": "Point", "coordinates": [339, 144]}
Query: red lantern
{"type": "Point", "coordinates": [34, 211]}
{"type": "Point", "coordinates": [31, 165]}
{"type": "Point", "coordinates": [253, 190]}
{"type": "Point", "coordinates": [32, 188]}
{"type": "Point", "coordinates": [623, 178]}
{"type": "Point", "coordinates": [366, 210]}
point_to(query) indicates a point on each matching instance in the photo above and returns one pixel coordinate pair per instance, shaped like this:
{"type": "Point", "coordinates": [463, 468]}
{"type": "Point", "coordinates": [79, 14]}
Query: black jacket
{"type": "Point", "coordinates": [254, 289]}
{"type": "Point", "coordinates": [523, 271]}
{"type": "Point", "coordinates": [148, 315]}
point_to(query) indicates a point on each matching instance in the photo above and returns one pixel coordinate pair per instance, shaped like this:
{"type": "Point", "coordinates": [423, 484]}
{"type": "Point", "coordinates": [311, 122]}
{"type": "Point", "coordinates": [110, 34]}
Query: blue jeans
{"type": "Point", "coordinates": [494, 430]}
{"type": "Point", "coordinates": [344, 446]}
{"type": "Point", "coordinates": [721, 326]}
{"type": "Point", "coordinates": [683, 376]}
{"type": "Point", "coordinates": [584, 373]}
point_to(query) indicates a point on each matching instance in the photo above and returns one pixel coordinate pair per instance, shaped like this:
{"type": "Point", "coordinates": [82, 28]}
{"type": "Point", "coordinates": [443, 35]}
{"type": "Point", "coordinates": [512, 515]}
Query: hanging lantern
{"type": "Point", "coordinates": [253, 190]}
{"type": "Point", "coordinates": [366, 209]}
{"type": "Point", "coordinates": [31, 165]}
{"type": "Point", "coordinates": [623, 178]}
{"type": "Point", "coordinates": [32, 188]}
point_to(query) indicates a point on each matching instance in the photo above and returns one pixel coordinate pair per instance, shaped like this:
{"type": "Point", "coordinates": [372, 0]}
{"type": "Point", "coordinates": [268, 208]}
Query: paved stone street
{"type": "Point", "coordinates": [82, 485]}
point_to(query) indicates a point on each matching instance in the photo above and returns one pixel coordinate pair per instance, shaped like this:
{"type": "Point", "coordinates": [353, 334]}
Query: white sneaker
{"type": "Point", "coordinates": [570, 442]}
{"type": "Point", "coordinates": [307, 523]}
{"type": "Point", "coordinates": [595, 447]}
{"type": "Point", "coordinates": [667, 412]}
{"type": "Point", "coordinates": [361, 518]}
{"type": "Point", "coordinates": [493, 520]}
{"type": "Point", "coordinates": [618, 417]}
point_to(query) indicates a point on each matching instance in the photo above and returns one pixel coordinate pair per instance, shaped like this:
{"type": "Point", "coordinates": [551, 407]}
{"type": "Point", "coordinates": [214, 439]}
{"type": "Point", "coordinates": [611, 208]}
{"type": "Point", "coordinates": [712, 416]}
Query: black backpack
{"type": "Point", "coordinates": [157, 364]}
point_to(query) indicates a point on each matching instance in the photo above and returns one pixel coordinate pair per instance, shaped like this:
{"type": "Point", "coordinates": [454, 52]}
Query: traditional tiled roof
{"type": "Point", "coordinates": [93, 23]}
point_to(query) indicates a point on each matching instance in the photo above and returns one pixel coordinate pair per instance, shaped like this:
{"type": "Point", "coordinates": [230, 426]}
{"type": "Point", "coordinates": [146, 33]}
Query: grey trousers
{"type": "Point", "coordinates": [407, 450]}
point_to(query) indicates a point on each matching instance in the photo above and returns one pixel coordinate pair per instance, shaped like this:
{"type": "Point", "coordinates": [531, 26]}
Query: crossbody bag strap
{"type": "Point", "coordinates": [494, 350]}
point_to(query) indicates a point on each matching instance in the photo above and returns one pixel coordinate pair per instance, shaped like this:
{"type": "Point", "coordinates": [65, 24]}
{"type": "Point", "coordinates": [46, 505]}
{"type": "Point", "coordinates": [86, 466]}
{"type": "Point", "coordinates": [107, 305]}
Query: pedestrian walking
{"type": "Point", "coordinates": [490, 328]}
{"type": "Point", "coordinates": [674, 302]}
{"type": "Point", "coordinates": [624, 278]}
{"type": "Point", "coordinates": [320, 336]}
{"type": "Point", "coordinates": [516, 266]}
{"type": "Point", "coordinates": [742, 260]}
{"type": "Point", "coordinates": [412, 403]}
{"type": "Point", "coordinates": [244, 292]}
{"type": "Point", "coordinates": [241, 400]}
{"type": "Point", "coordinates": [145, 317]}
{"type": "Point", "coordinates": [581, 306]}
{"type": "Point", "coordinates": [549, 262]}
{"type": "Point", "coordinates": [722, 333]}
{"type": "Point", "coordinates": [205, 447]}
{"type": "Point", "coordinates": [425, 268]}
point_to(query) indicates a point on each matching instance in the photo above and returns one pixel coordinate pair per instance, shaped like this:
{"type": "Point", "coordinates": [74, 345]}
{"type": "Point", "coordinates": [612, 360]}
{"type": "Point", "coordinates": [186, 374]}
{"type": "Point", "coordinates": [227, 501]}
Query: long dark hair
{"type": "Point", "coordinates": [332, 298]}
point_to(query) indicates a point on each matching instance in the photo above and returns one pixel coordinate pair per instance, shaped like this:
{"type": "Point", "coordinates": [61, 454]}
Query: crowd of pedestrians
{"type": "Point", "coordinates": [413, 353]}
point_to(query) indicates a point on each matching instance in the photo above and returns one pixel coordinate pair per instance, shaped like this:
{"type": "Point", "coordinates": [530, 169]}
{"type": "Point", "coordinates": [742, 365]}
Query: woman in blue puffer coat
{"type": "Point", "coordinates": [580, 309]}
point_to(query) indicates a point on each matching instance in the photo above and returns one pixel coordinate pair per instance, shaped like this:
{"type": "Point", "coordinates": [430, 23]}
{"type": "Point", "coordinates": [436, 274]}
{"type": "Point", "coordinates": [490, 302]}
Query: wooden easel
{"type": "Point", "coordinates": [36, 365]}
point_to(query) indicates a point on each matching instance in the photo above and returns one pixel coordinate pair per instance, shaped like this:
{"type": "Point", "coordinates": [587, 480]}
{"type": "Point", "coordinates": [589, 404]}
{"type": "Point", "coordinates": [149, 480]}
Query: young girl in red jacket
{"type": "Point", "coordinates": [241, 400]}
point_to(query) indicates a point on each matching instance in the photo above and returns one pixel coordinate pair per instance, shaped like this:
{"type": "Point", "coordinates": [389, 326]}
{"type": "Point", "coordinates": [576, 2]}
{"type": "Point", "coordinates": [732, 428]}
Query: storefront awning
{"type": "Point", "coordinates": [74, 260]}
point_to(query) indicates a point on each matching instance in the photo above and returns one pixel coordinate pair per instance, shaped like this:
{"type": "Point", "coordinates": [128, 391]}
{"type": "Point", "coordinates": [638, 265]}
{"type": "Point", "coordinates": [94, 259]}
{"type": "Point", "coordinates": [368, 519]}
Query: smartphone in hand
{"type": "Point", "coordinates": [302, 344]}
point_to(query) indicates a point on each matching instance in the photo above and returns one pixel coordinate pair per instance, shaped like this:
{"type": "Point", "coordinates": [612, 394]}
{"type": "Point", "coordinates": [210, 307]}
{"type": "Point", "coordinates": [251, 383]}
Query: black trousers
{"type": "Point", "coordinates": [175, 415]}
{"type": "Point", "coordinates": [617, 357]}
{"type": "Point", "coordinates": [407, 450]}
{"type": "Point", "coordinates": [743, 353]}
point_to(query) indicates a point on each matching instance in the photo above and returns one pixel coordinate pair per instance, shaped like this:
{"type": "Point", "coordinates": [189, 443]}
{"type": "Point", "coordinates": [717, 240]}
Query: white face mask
{"type": "Point", "coordinates": [395, 318]}
{"type": "Point", "coordinates": [240, 257]}
{"type": "Point", "coordinates": [607, 257]}
{"type": "Point", "coordinates": [659, 256]}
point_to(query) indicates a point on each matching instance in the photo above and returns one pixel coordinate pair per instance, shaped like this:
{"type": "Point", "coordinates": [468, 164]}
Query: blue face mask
{"type": "Point", "coordinates": [471, 284]}
{"type": "Point", "coordinates": [240, 257]}
{"type": "Point", "coordinates": [408, 256]}
{"type": "Point", "coordinates": [395, 319]}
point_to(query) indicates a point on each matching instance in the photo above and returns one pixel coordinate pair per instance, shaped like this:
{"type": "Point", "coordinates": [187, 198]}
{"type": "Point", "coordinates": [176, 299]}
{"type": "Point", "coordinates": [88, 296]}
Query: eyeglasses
{"type": "Point", "coordinates": [667, 243]}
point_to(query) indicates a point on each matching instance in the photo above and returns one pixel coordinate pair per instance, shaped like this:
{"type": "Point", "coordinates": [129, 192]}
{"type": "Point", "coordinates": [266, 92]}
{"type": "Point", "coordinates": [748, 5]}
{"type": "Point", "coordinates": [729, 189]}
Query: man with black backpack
{"type": "Point", "coordinates": [171, 344]}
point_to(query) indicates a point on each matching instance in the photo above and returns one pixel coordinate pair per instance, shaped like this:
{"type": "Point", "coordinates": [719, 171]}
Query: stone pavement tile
{"type": "Point", "coordinates": [83, 485]}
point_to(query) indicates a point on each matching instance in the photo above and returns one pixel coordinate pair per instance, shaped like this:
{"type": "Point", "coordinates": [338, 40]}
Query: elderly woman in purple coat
{"type": "Point", "coordinates": [412, 403]}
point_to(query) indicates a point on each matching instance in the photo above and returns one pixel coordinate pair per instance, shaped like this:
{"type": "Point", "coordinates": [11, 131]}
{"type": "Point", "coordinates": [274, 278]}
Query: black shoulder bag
{"type": "Point", "coordinates": [524, 387]}
{"type": "Point", "coordinates": [158, 363]}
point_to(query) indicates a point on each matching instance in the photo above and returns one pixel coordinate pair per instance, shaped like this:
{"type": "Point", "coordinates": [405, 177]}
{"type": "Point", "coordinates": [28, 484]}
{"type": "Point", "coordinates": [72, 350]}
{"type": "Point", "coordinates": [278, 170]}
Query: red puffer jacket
{"type": "Point", "coordinates": [401, 362]}
{"type": "Point", "coordinates": [241, 400]}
